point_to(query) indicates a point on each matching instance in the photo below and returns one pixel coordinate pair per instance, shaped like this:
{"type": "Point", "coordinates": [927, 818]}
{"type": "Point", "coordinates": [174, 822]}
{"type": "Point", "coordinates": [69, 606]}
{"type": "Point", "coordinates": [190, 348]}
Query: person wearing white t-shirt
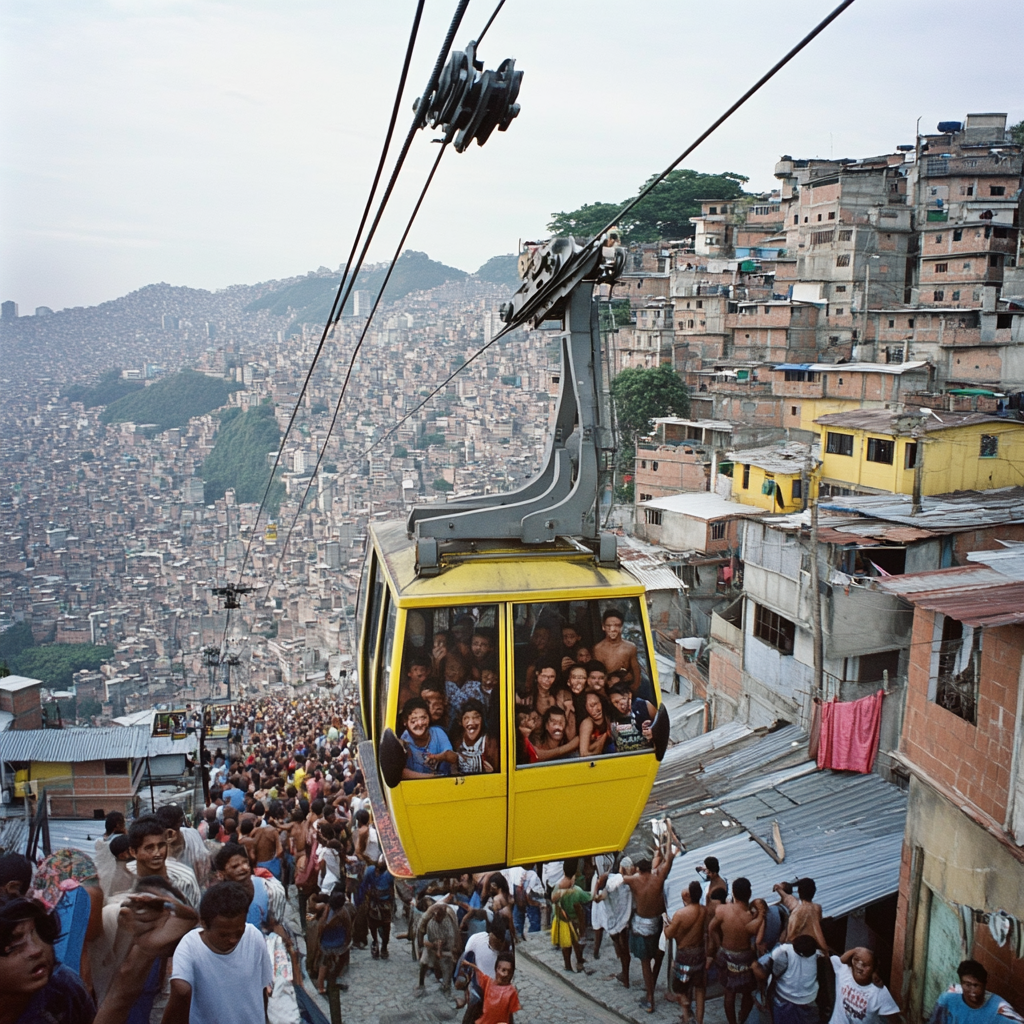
{"type": "Point", "coordinates": [858, 999]}
{"type": "Point", "coordinates": [222, 974]}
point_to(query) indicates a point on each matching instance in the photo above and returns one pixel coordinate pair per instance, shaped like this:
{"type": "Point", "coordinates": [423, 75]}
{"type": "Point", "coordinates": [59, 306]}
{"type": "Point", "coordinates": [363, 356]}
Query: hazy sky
{"type": "Point", "coordinates": [209, 142]}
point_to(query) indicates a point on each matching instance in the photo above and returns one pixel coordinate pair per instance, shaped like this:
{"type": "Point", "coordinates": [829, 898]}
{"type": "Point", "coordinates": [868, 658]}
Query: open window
{"type": "Point", "coordinates": [584, 686]}
{"type": "Point", "coordinates": [450, 698]}
{"type": "Point", "coordinates": [956, 667]}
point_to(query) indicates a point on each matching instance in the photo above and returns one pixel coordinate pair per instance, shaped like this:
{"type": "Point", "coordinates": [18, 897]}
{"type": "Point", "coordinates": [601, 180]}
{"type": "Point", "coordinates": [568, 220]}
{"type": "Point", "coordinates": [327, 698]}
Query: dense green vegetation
{"type": "Point", "coordinates": [641, 395]}
{"type": "Point", "coordinates": [239, 458]}
{"type": "Point", "coordinates": [171, 402]}
{"type": "Point", "coordinates": [109, 388]}
{"type": "Point", "coordinates": [501, 270]}
{"type": "Point", "coordinates": [665, 213]}
{"type": "Point", "coordinates": [54, 664]}
{"type": "Point", "coordinates": [443, 486]}
{"type": "Point", "coordinates": [310, 299]}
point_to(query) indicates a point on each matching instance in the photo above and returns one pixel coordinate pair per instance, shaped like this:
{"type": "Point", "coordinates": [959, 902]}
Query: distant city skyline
{"type": "Point", "coordinates": [211, 144]}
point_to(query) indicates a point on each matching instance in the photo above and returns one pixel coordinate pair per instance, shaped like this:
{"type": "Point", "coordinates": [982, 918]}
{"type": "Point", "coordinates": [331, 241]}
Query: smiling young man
{"type": "Point", "coordinates": [222, 973]}
{"type": "Point", "coordinates": [427, 748]}
{"type": "Point", "coordinates": [615, 651]}
{"type": "Point", "coordinates": [972, 1004]}
{"type": "Point", "coordinates": [147, 843]}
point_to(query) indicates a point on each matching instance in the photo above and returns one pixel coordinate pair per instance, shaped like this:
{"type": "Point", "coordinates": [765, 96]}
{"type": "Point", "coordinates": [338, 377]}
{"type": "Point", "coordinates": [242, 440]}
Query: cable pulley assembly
{"type": "Point", "coordinates": [469, 102]}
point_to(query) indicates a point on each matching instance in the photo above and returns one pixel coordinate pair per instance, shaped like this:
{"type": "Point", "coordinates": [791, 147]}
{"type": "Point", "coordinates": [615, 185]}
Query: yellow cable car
{"type": "Point", "coordinates": [480, 645]}
{"type": "Point", "coordinates": [506, 672]}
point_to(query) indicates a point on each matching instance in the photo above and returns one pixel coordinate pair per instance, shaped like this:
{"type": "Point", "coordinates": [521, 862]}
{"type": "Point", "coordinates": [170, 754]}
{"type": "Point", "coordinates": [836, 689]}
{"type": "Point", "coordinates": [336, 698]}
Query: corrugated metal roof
{"type": "Point", "coordinates": [961, 578]}
{"type": "Point", "coordinates": [1009, 559]}
{"type": "Point", "coordinates": [844, 831]}
{"type": "Point", "coordinates": [989, 606]}
{"type": "Point", "coordinates": [652, 574]}
{"type": "Point", "coordinates": [67, 745]}
{"type": "Point", "coordinates": [14, 683]}
{"type": "Point", "coordinates": [943, 513]}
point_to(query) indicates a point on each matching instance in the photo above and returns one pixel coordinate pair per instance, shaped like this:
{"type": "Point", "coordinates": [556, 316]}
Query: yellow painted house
{"type": "Point", "coordinates": [774, 477]}
{"type": "Point", "coordinates": [876, 451]}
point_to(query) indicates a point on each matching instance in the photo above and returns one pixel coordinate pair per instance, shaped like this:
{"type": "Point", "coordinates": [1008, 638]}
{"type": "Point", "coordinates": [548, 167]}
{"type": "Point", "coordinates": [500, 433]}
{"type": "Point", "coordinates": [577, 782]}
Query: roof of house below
{"type": "Point", "coordinates": [701, 505]}
{"type": "Point", "coordinates": [883, 421]}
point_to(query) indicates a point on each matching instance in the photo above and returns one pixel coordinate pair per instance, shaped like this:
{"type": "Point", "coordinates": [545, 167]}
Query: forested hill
{"type": "Point", "coordinates": [171, 402]}
{"type": "Point", "coordinates": [239, 458]}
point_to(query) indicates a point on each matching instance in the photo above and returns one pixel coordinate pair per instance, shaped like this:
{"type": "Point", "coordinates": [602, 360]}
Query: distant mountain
{"type": "Point", "coordinates": [310, 299]}
{"type": "Point", "coordinates": [171, 402]}
{"type": "Point", "coordinates": [501, 270]}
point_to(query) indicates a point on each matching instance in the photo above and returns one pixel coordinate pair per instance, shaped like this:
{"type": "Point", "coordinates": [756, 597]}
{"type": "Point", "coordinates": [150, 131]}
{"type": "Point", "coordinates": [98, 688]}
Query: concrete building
{"type": "Point", "coordinates": [961, 744]}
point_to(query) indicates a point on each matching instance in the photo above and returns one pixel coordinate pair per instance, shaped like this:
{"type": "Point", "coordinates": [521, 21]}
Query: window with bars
{"type": "Point", "coordinates": [843, 260]}
{"type": "Point", "coordinates": [652, 516]}
{"type": "Point", "coordinates": [773, 629]}
{"type": "Point", "coordinates": [718, 529]}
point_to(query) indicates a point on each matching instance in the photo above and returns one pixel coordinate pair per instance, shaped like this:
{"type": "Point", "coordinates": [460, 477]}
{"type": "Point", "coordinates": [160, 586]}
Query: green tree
{"type": "Point", "coordinates": [443, 486]}
{"type": "Point", "coordinates": [401, 452]}
{"type": "Point", "coordinates": [239, 459]}
{"type": "Point", "coordinates": [665, 213]}
{"type": "Point", "coordinates": [171, 402]}
{"type": "Point", "coordinates": [640, 395]}
{"type": "Point", "coordinates": [1017, 133]}
{"type": "Point", "coordinates": [56, 664]}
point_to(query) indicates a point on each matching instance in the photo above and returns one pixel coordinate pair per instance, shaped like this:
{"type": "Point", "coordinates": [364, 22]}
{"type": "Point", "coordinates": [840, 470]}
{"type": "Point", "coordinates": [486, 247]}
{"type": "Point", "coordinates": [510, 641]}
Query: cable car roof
{"type": "Point", "coordinates": [510, 569]}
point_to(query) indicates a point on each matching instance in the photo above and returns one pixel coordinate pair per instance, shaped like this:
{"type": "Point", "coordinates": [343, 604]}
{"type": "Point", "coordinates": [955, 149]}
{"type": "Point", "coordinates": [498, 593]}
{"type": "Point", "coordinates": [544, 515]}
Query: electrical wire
{"type": "Point", "coordinates": [646, 191]}
{"type": "Point", "coordinates": [410, 47]}
{"type": "Point", "coordinates": [355, 351]}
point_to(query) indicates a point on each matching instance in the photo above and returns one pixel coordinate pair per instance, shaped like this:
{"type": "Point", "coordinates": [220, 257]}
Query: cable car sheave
{"type": "Point", "coordinates": [507, 677]}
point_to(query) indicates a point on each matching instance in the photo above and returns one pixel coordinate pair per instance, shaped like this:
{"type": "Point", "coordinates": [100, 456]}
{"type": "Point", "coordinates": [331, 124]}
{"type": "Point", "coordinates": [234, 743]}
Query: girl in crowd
{"type": "Point", "coordinates": [477, 751]}
{"type": "Point", "coordinates": [595, 730]}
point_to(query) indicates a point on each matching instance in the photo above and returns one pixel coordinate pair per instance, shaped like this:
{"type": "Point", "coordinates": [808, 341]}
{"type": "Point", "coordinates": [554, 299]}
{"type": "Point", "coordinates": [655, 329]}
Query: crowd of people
{"type": "Point", "coordinates": [172, 921]}
{"type": "Point", "coordinates": [583, 689]}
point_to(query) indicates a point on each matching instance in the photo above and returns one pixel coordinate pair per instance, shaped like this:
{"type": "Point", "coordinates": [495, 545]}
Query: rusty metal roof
{"type": "Point", "coordinates": [962, 579]}
{"type": "Point", "coordinates": [989, 606]}
{"type": "Point", "coordinates": [940, 513]}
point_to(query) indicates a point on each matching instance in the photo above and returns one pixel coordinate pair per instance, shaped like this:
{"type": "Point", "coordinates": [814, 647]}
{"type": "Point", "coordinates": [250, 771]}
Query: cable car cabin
{"type": "Point", "coordinates": [217, 718]}
{"type": "Point", "coordinates": [511, 703]}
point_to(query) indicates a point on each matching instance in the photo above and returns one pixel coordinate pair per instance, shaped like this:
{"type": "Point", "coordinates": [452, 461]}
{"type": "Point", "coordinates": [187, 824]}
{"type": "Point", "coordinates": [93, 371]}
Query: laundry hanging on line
{"type": "Point", "coordinates": [849, 733]}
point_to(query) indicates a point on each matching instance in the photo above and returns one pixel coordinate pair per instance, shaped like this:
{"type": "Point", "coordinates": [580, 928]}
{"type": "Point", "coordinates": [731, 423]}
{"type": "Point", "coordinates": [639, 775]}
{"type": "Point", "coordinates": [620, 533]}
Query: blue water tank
{"type": "Point", "coordinates": [950, 126]}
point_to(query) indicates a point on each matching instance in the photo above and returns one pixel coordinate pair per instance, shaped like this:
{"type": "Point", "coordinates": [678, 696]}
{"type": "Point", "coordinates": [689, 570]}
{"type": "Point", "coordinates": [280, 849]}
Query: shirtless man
{"type": "Point", "coordinates": [615, 652]}
{"type": "Point", "coordinates": [416, 675]}
{"type": "Point", "coordinates": [730, 949]}
{"type": "Point", "coordinates": [265, 848]}
{"type": "Point", "coordinates": [687, 928]}
{"type": "Point", "coordinates": [648, 887]}
{"type": "Point", "coordinates": [804, 915]}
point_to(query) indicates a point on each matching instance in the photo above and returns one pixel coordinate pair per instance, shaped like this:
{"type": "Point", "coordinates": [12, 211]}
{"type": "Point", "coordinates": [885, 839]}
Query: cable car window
{"type": "Point", "coordinates": [450, 699]}
{"type": "Point", "coordinates": [384, 664]}
{"type": "Point", "coordinates": [584, 686]}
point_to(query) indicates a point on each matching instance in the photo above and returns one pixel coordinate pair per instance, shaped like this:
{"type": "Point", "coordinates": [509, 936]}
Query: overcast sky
{"type": "Point", "coordinates": [210, 142]}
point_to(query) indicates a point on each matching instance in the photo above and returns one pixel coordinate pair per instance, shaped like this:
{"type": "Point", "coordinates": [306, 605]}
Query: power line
{"type": "Point", "coordinates": [410, 46]}
{"type": "Point", "coordinates": [661, 177]}
{"type": "Point", "coordinates": [355, 351]}
{"type": "Point", "coordinates": [820, 27]}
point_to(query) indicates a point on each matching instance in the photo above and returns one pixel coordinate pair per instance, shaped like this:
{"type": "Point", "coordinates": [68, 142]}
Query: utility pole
{"type": "Point", "coordinates": [819, 657]}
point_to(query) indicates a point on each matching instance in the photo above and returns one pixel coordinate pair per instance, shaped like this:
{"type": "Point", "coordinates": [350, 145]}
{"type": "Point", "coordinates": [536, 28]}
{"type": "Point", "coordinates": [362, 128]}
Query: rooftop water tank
{"type": "Point", "coordinates": [950, 126]}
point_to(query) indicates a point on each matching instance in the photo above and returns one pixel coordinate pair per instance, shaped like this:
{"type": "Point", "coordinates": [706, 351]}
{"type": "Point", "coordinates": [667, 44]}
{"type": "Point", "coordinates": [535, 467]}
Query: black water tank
{"type": "Point", "coordinates": [950, 126]}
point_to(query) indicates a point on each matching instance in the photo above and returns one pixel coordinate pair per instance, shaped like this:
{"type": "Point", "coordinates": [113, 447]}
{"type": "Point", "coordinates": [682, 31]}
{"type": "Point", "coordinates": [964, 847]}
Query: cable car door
{"type": "Point", "coordinates": [447, 706]}
{"type": "Point", "coordinates": [571, 804]}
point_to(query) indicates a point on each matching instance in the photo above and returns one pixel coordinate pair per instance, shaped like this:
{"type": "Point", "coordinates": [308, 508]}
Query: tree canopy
{"type": "Point", "coordinates": [665, 213]}
{"type": "Point", "coordinates": [640, 395]}
{"type": "Point", "coordinates": [171, 402]}
{"type": "Point", "coordinates": [53, 664]}
{"type": "Point", "coordinates": [239, 458]}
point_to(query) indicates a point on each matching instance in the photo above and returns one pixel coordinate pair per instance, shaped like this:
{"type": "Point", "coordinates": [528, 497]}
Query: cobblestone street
{"type": "Point", "coordinates": [382, 991]}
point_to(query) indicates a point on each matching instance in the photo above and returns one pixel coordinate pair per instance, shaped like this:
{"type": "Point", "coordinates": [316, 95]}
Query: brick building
{"type": "Point", "coordinates": [20, 698]}
{"type": "Point", "coordinates": [961, 742]}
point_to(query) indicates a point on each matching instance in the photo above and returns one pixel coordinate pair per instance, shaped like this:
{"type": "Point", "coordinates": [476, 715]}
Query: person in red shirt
{"type": "Point", "coordinates": [501, 1000]}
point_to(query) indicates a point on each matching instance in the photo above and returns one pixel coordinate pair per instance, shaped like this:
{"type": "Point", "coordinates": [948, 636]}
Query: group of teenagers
{"type": "Point", "coordinates": [773, 954]}
{"type": "Point", "coordinates": [572, 700]}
